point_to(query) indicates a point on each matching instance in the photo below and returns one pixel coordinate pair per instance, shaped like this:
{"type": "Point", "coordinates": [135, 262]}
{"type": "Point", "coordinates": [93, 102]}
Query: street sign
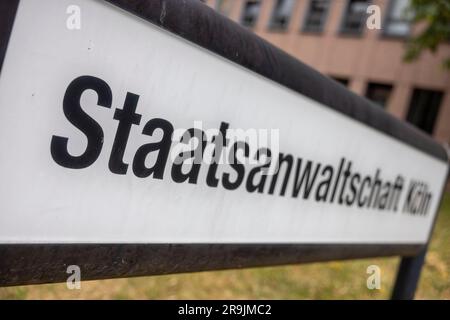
{"type": "Point", "coordinates": [94, 121]}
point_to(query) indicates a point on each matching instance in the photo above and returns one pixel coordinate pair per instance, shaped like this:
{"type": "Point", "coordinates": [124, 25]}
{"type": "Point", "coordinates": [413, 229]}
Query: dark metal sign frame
{"type": "Point", "coordinates": [194, 21]}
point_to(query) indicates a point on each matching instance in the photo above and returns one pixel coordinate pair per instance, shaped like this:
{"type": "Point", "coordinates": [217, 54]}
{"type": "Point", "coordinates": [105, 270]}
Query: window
{"type": "Point", "coordinates": [424, 108]}
{"type": "Point", "coordinates": [354, 17]}
{"type": "Point", "coordinates": [379, 93]}
{"type": "Point", "coordinates": [397, 21]}
{"type": "Point", "coordinates": [224, 6]}
{"type": "Point", "coordinates": [316, 15]}
{"type": "Point", "coordinates": [281, 14]}
{"type": "Point", "coordinates": [341, 80]}
{"type": "Point", "coordinates": [250, 13]}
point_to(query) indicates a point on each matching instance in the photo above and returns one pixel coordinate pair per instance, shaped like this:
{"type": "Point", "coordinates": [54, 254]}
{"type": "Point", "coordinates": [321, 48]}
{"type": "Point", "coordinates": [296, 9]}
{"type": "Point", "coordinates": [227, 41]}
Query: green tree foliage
{"type": "Point", "coordinates": [436, 16]}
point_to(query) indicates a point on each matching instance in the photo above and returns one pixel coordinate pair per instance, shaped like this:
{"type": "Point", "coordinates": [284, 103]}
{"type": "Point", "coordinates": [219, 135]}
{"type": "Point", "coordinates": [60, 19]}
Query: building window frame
{"type": "Point", "coordinates": [342, 80]}
{"type": "Point", "coordinates": [243, 7]}
{"type": "Point", "coordinates": [272, 26]}
{"type": "Point", "coordinates": [343, 31]}
{"type": "Point", "coordinates": [218, 6]}
{"type": "Point", "coordinates": [440, 95]}
{"type": "Point", "coordinates": [388, 18]}
{"type": "Point", "coordinates": [308, 29]}
{"type": "Point", "coordinates": [381, 85]}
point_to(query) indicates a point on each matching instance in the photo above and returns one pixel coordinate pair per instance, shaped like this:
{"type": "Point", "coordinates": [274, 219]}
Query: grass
{"type": "Point", "coordinates": [334, 280]}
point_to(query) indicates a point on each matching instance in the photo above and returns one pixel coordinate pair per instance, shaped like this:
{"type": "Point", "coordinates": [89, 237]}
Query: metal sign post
{"type": "Point", "coordinates": [408, 276]}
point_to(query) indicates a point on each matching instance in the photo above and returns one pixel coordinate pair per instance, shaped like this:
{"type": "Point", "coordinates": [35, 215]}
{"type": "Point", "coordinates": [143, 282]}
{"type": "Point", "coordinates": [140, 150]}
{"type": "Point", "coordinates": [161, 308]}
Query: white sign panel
{"type": "Point", "coordinates": [89, 119]}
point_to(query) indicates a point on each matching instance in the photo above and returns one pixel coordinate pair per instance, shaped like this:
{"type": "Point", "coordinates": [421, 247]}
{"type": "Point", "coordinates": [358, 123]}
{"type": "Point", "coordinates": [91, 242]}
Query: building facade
{"type": "Point", "coordinates": [332, 36]}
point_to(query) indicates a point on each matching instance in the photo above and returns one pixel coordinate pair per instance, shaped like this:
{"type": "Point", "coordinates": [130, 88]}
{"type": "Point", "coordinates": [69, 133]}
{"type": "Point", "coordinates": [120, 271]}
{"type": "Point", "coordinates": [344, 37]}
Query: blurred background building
{"type": "Point", "coordinates": [332, 37]}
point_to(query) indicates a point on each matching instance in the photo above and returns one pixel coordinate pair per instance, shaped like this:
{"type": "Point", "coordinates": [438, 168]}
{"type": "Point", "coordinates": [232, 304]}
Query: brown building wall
{"type": "Point", "coordinates": [370, 57]}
